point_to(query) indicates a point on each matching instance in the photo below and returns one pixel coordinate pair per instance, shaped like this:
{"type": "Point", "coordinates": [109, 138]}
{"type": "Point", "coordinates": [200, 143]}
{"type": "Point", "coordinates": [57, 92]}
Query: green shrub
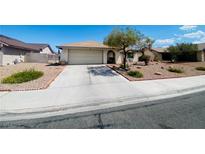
{"type": "Point", "coordinates": [23, 76]}
{"type": "Point", "coordinates": [200, 68]}
{"type": "Point", "coordinates": [175, 70]}
{"type": "Point", "coordinates": [122, 66]}
{"type": "Point", "coordinates": [145, 58]}
{"type": "Point", "coordinates": [183, 52]}
{"type": "Point", "coordinates": [135, 74]}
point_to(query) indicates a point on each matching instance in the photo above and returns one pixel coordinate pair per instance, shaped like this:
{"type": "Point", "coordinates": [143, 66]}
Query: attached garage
{"type": "Point", "coordinates": [89, 52]}
{"type": "Point", "coordinates": [85, 56]}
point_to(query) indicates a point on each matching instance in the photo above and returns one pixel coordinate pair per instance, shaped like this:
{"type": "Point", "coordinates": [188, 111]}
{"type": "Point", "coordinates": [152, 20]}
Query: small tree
{"type": "Point", "coordinates": [123, 40]}
{"type": "Point", "coordinates": [145, 43]}
{"type": "Point", "coordinates": [174, 52]}
{"type": "Point", "coordinates": [183, 52]}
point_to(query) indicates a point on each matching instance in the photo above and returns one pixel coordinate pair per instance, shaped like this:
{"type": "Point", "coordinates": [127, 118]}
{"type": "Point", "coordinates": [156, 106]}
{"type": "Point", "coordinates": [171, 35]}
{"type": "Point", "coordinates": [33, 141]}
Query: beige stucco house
{"type": "Point", "coordinates": [12, 50]}
{"type": "Point", "coordinates": [91, 52]}
{"type": "Point", "coordinates": [201, 52]}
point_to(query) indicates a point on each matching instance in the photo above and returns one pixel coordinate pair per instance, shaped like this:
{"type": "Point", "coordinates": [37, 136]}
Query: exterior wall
{"type": "Point", "coordinates": [201, 56]}
{"type": "Point", "coordinates": [64, 55]}
{"type": "Point", "coordinates": [46, 51]}
{"type": "Point", "coordinates": [12, 54]}
{"type": "Point", "coordinates": [105, 56]}
{"type": "Point", "coordinates": [136, 56]}
{"type": "Point", "coordinates": [36, 58]}
{"type": "Point", "coordinates": [118, 57]}
{"type": "Point", "coordinates": [1, 58]}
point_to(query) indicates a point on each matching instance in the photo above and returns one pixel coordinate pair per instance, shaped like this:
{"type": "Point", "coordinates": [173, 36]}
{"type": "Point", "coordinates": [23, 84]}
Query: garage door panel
{"type": "Point", "coordinates": [85, 57]}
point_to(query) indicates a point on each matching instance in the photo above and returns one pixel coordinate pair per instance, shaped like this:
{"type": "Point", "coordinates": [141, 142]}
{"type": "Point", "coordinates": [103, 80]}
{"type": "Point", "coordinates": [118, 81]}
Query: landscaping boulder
{"type": "Point", "coordinates": [158, 73]}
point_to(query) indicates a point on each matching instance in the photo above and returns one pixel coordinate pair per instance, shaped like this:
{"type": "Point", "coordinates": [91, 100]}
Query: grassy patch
{"type": "Point", "coordinates": [175, 70]}
{"type": "Point", "coordinates": [23, 76]}
{"type": "Point", "coordinates": [135, 74]}
{"type": "Point", "coordinates": [200, 68]}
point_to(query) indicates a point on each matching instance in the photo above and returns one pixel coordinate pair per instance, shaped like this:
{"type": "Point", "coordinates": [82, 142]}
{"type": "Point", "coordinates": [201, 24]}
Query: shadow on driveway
{"type": "Point", "coordinates": [101, 71]}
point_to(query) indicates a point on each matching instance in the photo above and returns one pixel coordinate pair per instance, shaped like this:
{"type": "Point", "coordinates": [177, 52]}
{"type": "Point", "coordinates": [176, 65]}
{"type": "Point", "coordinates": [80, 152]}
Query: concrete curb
{"type": "Point", "coordinates": [84, 108]}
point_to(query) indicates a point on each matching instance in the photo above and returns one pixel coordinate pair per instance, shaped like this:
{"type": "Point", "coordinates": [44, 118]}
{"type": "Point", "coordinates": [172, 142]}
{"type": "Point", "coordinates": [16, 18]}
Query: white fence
{"type": "Point", "coordinates": [40, 58]}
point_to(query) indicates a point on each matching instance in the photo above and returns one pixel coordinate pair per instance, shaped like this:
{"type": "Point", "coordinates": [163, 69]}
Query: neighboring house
{"type": "Point", "coordinates": [154, 55]}
{"type": "Point", "coordinates": [201, 52]}
{"type": "Point", "coordinates": [43, 48]}
{"type": "Point", "coordinates": [166, 55]}
{"type": "Point", "coordinates": [13, 50]}
{"type": "Point", "coordinates": [91, 52]}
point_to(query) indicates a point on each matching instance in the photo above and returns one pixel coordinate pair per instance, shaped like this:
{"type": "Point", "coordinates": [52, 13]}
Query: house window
{"type": "Point", "coordinates": [130, 55]}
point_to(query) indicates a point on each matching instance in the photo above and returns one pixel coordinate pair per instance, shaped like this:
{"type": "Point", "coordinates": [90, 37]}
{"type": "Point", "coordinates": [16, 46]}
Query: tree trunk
{"type": "Point", "coordinates": [125, 59]}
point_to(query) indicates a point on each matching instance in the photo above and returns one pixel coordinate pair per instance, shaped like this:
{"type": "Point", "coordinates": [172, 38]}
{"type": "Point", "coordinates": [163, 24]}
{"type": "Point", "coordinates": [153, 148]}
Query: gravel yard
{"type": "Point", "coordinates": [50, 73]}
{"type": "Point", "coordinates": [158, 70]}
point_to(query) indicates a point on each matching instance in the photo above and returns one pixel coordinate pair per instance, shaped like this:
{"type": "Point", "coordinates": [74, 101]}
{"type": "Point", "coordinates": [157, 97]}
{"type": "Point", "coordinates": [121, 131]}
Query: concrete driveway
{"type": "Point", "coordinates": [86, 75]}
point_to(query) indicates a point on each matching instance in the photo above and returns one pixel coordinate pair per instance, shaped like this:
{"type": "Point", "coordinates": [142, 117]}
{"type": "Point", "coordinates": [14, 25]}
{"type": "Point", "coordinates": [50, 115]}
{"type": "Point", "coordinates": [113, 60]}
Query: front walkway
{"type": "Point", "coordinates": [85, 86]}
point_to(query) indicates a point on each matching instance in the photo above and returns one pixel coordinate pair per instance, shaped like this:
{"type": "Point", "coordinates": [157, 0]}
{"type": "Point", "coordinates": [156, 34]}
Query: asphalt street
{"type": "Point", "coordinates": [186, 111]}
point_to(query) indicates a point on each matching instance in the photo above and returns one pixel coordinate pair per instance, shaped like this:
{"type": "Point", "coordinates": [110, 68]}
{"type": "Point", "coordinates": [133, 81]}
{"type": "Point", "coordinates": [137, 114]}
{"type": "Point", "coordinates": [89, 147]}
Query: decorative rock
{"type": "Point", "coordinates": [158, 73]}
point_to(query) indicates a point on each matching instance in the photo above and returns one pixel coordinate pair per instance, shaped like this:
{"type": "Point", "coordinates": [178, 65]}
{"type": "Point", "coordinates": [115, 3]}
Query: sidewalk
{"type": "Point", "coordinates": [69, 100]}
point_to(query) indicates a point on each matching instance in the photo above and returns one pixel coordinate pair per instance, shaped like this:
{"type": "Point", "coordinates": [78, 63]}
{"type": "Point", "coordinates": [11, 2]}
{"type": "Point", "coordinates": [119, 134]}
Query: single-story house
{"type": "Point", "coordinates": [91, 52]}
{"type": "Point", "coordinates": [12, 50]}
{"type": "Point", "coordinates": [166, 55]}
{"type": "Point", "coordinates": [201, 52]}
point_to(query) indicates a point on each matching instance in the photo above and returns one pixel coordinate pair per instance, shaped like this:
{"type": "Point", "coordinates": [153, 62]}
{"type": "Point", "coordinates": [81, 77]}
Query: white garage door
{"type": "Point", "coordinates": [85, 57]}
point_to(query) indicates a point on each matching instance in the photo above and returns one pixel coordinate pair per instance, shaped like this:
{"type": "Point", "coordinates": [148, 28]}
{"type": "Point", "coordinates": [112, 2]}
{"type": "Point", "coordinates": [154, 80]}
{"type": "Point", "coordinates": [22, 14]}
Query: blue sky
{"type": "Point", "coordinates": [54, 35]}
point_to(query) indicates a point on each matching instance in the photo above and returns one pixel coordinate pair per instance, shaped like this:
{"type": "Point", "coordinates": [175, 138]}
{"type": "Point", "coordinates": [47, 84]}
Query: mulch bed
{"type": "Point", "coordinates": [149, 72]}
{"type": "Point", "coordinates": [50, 73]}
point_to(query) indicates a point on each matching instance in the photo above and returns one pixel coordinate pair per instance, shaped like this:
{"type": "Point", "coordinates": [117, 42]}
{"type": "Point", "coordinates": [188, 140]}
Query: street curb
{"type": "Point", "coordinates": [84, 108]}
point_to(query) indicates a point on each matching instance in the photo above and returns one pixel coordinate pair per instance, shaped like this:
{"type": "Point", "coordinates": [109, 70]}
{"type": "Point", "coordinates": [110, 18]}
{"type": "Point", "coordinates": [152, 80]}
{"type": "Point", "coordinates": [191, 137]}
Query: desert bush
{"type": "Point", "coordinates": [23, 76]}
{"type": "Point", "coordinates": [175, 70]}
{"type": "Point", "coordinates": [135, 74]}
{"type": "Point", "coordinates": [200, 68]}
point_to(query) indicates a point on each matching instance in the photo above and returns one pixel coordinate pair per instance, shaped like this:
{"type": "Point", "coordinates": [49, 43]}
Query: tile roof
{"type": "Point", "coordinates": [160, 50]}
{"type": "Point", "coordinates": [22, 45]}
{"type": "Point", "coordinates": [39, 46]}
{"type": "Point", "coordinates": [88, 44]}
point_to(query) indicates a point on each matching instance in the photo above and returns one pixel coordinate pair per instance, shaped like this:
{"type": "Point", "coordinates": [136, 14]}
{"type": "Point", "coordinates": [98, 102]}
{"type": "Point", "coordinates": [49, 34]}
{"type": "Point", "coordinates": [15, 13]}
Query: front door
{"type": "Point", "coordinates": [111, 57]}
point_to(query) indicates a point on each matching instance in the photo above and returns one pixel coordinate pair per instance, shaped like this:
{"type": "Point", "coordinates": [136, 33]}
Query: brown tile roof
{"type": "Point", "coordinates": [22, 45]}
{"type": "Point", "coordinates": [86, 44]}
{"type": "Point", "coordinates": [39, 46]}
{"type": "Point", "coordinates": [15, 43]}
{"type": "Point", "coordinates": [160, 50]}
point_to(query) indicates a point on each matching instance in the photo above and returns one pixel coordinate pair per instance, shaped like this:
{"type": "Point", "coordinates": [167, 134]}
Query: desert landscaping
{"type": "Point", "coordinates": [160, 70]}
{"type": "Point", "coordinates": [50, 72]}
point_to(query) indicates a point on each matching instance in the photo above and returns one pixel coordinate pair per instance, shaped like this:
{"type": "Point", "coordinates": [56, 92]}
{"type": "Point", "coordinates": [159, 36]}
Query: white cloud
{"type": "Point", "coordinates": [195, 35]}
{"type": "Point", "coordinates": [188, 27]}
{"type": "Point", "coordinates": [164, 42]}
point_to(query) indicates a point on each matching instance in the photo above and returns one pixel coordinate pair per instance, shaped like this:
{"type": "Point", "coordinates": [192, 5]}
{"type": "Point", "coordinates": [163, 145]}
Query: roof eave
{"type": "Point", "coordinates": [71, 47]}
